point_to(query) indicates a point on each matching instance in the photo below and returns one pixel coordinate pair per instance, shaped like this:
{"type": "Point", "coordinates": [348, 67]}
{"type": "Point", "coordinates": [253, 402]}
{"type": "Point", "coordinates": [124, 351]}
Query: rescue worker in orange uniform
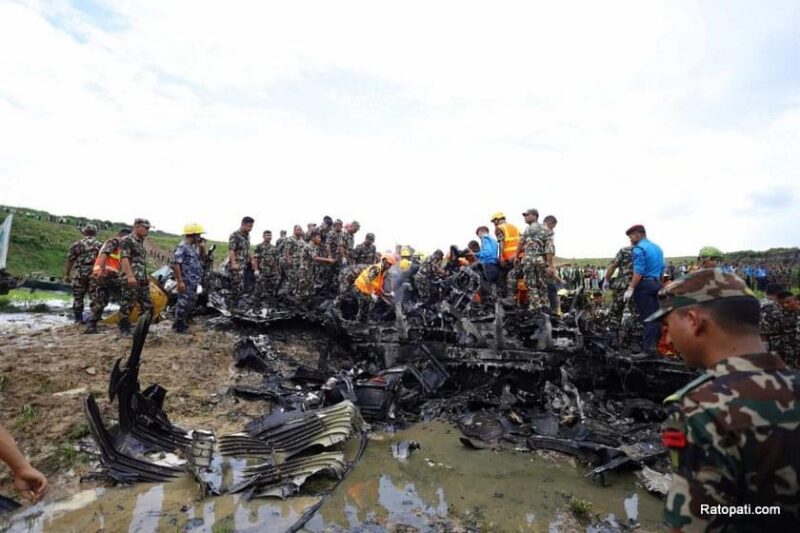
{"type": "Point", "coordinates": [370, 286]}
{"type": "Point", "coordinates": [508, 243]}
{"type": "Point", "coordinates": [105, 278]}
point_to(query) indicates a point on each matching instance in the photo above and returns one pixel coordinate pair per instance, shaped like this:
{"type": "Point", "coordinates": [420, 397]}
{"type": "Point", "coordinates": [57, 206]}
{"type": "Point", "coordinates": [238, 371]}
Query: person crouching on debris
{"type": "Point", "coordinates": [369, 285]}
{"type": "Point", "coordinates": [188, 269]}
{"type": "Point", "coordinates": [105, 278]}
{"type": "Point", "coordinates": [734, 433]}
{"type": "Point", "coordinates": [136, 288]}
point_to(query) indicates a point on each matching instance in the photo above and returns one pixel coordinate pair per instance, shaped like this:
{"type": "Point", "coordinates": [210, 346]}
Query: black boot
{"type": "Point", "coordinates": [124, 326]}
{"type": "Point", "coordinates": [92, 327]}
{"type": "Point", "coordinates": [78, 316]}
{"type": "Point", "coordinates": [180, 326]}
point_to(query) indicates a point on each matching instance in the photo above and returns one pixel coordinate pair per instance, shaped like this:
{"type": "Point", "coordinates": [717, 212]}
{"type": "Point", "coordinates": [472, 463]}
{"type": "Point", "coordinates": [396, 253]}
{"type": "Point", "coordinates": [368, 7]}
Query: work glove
{"type": "Point", "coordinates": [628, 294]}
{"type": "Point", "coordinates": [374, 297]}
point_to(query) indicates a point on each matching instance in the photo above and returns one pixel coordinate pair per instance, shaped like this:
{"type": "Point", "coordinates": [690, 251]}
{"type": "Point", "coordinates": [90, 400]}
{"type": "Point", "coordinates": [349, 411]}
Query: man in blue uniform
{"type": "Point", "coordinates": [648, 266]}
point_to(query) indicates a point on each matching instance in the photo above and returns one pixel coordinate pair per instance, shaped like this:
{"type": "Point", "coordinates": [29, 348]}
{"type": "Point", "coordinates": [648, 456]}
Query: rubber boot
{"type": "Point", "coordinates": [92, 327]}
{"type": "Point", "coordinates": [78, 317]}
{"type": "Point", "coordinates": [180, 326]}
{"type": "Point", "coordinates": [124, 326]}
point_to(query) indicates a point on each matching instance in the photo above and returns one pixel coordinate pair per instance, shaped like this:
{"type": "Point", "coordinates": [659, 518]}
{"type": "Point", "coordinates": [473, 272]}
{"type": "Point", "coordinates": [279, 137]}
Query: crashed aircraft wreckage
{"type": "Point", "coordinates": [285, 447]}
{"type": "Point", "coordinates": [480, 365]}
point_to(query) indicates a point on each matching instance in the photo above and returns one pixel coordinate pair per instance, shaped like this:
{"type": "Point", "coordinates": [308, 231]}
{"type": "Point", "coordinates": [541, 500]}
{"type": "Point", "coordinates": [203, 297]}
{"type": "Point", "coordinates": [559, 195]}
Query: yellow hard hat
{"type": "Point", "coordinates": [193, 228]}
{"type": "Point", "coordinates": [497, 215]}
{"type": "Point", "coordinates": [405, 252]}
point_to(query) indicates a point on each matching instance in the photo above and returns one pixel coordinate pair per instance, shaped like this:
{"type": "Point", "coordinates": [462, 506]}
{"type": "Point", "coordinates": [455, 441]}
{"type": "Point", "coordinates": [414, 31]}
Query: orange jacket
{"type": "Point", "coordinates": [112, 262]}
{"type": "Point", "coordinates": [510, 241]}
{"type": "Point", "coordinates": [365, 286]}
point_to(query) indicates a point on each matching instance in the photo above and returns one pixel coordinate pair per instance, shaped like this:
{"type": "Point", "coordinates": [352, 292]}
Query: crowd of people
{"type": "Point", "coordinates": [324, 262]}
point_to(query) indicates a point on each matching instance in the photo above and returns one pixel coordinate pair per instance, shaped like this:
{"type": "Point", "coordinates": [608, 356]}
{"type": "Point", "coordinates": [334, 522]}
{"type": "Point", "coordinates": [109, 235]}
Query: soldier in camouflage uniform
{"type": "Point", "coordinates": [788, 342]}
{"type": "Point", "coordinates": [734, 433]}
{"type": "Point", "coordinates": [314, 264]}
{"type": "Point", "coordinates": [537, 264]}
{"type": "Point", "coordinates": [81, 256]}
{"type": "Point", "coordinates": [325, 228]}
{"type": "Point", "coordinates": [135, 286]}
{"type": "Point", "coordinates": [239, 258]}
{"type": "Point", "coordinates": [348, 240]}
{"type": "Point", "coordinates": [428, 272]}
{"type": "Point", "coordinates": [188, 269]}
{"type": "Point", "coordinates": [630, 330]}
{"type": "Point", "coordinates": [335, 240]}
{"type": "Point", "coordinates": [364, 253]}
{"type": "Point", "coordinates": [772, 321]}
{"type": "Point", "coordinates": [267, 260]}
{"type": "Point", "coordinates": [105, 279]}
{"type": "Point", "coordinates": [292, 250]}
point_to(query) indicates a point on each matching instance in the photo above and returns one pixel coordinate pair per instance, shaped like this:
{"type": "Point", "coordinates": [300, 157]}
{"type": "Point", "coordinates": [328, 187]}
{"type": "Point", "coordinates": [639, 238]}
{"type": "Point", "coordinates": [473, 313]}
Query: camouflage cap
{"type": "Point", "coordinates": [700, 286]}
{"type": "Point", "coordinates": [89, 229]}
{"type": "Point", "coordinates": [531, 211]}
{"type": "Point", "coordinates": [355, 223]}
{"type": "Point", "coordinates": [370, 236]}
{"type": "Point", "coordinates": [141, 222]}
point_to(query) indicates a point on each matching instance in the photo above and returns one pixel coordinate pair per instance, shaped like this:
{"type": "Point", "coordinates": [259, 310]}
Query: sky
{"type": "Point", "coordinates": [418, 119]}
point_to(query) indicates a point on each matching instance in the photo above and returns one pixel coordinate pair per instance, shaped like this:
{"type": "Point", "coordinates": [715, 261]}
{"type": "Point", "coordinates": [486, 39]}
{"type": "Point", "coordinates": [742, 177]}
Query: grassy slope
{"type": "Point", "coordinates": [41, 246]}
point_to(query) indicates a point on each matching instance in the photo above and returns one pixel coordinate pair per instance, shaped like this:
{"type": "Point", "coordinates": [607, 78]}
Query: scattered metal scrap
{"type": "Point", "coordinates": [287, 444]}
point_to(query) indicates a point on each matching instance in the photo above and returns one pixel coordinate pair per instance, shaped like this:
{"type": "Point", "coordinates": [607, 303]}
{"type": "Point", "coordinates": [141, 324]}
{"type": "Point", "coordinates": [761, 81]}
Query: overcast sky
{"type": "Point", "coordinates": [419, 119]}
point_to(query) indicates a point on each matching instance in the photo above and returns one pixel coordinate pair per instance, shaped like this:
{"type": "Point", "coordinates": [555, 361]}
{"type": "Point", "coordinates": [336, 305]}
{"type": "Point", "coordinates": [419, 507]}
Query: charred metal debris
{"type": "Point", "coordinates": [273, 456]}
{"type": "Point", "coordinates": [482, 366]}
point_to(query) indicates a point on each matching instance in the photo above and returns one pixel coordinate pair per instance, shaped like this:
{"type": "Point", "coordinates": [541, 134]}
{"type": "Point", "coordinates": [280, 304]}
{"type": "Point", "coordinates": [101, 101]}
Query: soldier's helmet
{"type": "Point", "coordinates": [89, 229]}
{"type": "Point", "coordinates": [370, 237]}
{"type": "Point", "coordinates": [700, 286]}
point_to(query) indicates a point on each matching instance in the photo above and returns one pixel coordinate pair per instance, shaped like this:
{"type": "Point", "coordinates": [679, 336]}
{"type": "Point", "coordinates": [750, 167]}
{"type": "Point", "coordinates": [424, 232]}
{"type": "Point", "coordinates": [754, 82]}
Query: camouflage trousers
{"type": "Point", "coordinates": [305, 283]}
{"type": "Point", "coordinates": [365, 305]}
{"type": "Point", "coordinates": [186, 300]}
{"type": "Point", "coordinates": [535, 271]}
{"type": "Point", "coordinates": [100, 290]}
{"type": "Point", "coordinates": [80, 288]}
{"type": "Point", "coordinates": [512, 279]}
{"type": "Point", "coordinates": [266, 286]}
{"type": "Point", "coordinates": [237, 286]}
{"type": "Point", "coordinates": [132, 295]}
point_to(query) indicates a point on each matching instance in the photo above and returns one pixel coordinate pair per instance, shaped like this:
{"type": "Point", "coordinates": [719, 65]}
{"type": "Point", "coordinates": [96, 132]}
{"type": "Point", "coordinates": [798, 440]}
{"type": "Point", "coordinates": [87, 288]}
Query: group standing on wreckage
{"type": "Point", "coordinates": [475, 336]}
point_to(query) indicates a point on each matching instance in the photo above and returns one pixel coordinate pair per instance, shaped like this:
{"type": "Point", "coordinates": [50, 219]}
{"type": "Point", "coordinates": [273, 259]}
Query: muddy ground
{"type": "Point", "coordinates": [45, 374]}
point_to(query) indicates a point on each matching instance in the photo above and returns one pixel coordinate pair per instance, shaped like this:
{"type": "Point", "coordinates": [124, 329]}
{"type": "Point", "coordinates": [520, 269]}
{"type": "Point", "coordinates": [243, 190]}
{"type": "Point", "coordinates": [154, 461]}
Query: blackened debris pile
{"type": "Point", "coordinates": [283, 449]}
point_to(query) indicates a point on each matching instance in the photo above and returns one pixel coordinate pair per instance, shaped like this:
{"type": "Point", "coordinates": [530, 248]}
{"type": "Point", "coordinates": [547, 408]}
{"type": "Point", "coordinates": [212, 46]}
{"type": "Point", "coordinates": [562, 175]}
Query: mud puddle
{"type": "Point", "coordinates": [23, 322]}
{"type": "Point", "coordinates": [442, 486]}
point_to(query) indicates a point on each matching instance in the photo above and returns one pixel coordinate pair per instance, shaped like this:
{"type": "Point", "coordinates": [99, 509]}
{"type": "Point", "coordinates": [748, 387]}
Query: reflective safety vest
{"type": "Point", "coordinates": [112, 262]}
{"type": "Point", "coordinates": [510, 241]}
{"type": "Point", "coordinates": [364, 285]}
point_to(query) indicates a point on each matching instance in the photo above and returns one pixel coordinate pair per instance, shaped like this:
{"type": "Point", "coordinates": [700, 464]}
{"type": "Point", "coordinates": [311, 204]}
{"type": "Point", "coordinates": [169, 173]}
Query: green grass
{"type": "Point", "coordinates": [42, 246]}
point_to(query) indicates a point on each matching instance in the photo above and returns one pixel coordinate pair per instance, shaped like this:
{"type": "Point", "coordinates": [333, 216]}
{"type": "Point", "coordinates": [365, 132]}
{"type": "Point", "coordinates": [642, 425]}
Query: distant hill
{"type": "Point", "coordinates": [40, 240]}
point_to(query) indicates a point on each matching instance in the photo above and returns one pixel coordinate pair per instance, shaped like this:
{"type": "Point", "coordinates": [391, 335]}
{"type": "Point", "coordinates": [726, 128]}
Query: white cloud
{"type": "Point", "coordinates": [418, 119]}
